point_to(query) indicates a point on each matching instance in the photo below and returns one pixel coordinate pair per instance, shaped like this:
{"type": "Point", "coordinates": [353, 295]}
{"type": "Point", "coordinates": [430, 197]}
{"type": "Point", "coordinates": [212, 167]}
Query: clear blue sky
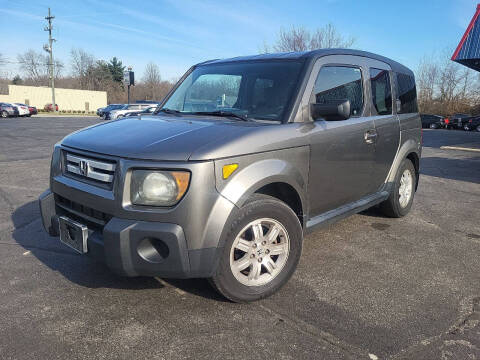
{"type": "Point", "coordinates": [176, 34]}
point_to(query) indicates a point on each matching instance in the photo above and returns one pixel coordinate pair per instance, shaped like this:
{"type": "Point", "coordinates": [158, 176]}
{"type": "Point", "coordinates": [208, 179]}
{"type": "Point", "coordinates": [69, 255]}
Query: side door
{"type": "Point", "coordinates": [387, 126]}
{"type": "Point", "coordinates": [342, 153]}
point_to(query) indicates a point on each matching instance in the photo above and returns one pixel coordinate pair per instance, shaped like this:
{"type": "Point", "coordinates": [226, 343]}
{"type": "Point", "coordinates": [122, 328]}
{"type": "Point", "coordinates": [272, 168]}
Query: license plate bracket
{"type": "Point", "coordinates": [73, 234]}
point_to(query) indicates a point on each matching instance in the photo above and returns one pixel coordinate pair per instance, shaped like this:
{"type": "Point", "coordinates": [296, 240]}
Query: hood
{"type": "Point", "coordinates": [154, 137]}
{"type": "Point", "coordinates": [171, 138]}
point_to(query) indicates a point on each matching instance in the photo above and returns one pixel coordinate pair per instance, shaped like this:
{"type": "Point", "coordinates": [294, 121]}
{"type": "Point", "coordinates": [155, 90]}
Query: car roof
{"type": "Point", "coordinates": [296, 55]}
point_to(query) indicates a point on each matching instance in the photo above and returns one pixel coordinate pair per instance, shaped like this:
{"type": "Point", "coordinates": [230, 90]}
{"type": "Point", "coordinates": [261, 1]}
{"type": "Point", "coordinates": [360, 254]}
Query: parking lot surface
{"type": "Point", "coordinates": [367, 287]}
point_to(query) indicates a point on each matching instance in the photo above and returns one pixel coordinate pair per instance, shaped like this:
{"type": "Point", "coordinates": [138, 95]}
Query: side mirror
{"type": "Point", "coordinates": [332, 110]}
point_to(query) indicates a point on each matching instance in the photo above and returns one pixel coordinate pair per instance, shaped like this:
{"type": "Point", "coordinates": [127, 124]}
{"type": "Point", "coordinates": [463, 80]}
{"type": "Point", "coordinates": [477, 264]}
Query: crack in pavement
{"type": "Point", "coordinates": [315, 333]}
{"type": "Point", "coordinates": [469, 309]}
{"type": "Point", "coordinates": [33, 247]}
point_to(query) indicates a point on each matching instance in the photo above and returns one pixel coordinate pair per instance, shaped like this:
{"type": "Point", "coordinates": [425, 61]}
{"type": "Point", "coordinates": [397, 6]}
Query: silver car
{"type": "Point", "coordinates": [243, 157]}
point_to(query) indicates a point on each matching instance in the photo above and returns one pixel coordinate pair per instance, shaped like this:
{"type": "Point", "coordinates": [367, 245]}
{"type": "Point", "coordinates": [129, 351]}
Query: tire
{"type": "Point", "coordinates": [433, 126]}
{"type": "Point", "coordinates": [478, 128]}
{"type": "Point", "coordinates": [4, 114]}
{"type": "Point", "coordinates": [396, 206]}
{"type": "Point", "coordinates": [273, 271]}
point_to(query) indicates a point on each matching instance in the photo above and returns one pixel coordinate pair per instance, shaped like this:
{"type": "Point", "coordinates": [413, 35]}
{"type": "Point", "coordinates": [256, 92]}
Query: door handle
{"type": "Point", "coordinates": [370, 136]}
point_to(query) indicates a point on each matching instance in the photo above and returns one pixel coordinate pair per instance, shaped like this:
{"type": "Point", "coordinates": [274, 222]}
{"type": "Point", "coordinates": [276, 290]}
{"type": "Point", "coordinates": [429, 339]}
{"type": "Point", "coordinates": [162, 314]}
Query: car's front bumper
{"type": "Point", "coordinates": [192, 229]}
{"type": "Point", "coordinates": [137, 248]}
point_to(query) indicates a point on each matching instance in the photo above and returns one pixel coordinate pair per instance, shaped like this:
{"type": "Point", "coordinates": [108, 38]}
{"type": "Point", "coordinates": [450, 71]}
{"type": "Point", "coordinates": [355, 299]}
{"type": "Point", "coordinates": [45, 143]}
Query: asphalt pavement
{"type": "Point", "coordinates": [368, 287]}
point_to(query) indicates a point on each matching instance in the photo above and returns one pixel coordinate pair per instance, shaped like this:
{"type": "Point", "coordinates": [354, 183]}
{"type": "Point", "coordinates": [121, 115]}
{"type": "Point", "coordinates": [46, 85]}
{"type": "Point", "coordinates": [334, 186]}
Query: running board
{"type": "Point", "coordinates": [345, 211]}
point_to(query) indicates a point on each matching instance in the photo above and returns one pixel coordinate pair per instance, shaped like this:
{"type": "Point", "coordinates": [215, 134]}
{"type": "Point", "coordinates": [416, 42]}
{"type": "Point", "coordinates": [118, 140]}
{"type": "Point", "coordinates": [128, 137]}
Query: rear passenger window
{"type": "Point", "coordinates": [407, 93]}
{"type": "Point", "coordinates": [381, 91]}
{"type": "Point", "coordinates": [340, 83]}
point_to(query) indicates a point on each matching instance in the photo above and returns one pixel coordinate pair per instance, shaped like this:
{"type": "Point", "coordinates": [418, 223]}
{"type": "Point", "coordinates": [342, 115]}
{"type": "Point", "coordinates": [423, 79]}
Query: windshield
{"type": "Point", "coordinates": [258, 90]}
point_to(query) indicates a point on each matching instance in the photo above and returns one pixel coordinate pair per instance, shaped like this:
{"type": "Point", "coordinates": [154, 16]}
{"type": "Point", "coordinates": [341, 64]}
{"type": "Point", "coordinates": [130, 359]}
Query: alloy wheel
{"type": "Point", "coordinates": [406, 188]}
{"type": "Point", "coordinates": [259, 252]}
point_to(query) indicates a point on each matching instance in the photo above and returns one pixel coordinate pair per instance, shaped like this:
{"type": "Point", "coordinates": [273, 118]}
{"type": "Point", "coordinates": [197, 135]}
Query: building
{"type": "Point", "coordinates": [468, 50]}
{"type": "Point", "coordinates": [66, 99]}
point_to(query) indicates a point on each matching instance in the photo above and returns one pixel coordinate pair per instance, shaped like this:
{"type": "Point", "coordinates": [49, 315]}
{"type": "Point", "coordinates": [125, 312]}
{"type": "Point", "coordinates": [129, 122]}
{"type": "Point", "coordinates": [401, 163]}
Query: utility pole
{"type": "Point", "coordinates": [49, 48]}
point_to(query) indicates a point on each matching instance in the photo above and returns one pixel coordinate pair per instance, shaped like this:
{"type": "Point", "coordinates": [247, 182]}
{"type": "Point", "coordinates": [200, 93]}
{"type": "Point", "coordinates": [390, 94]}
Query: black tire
{"type": "Point", "coordinates": [391, 207]}
{"type": "Point", "coordinates": [257, 207]}
{"type": "Point", "coordinates": [433, 126]}
{"type": "Point", "coordinates": [4, 114]}
{"type": "Point", "coordinates": [478, 128]}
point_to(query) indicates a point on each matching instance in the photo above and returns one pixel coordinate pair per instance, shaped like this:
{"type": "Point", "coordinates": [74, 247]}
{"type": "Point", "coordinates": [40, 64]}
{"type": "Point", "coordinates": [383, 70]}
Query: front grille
{"type": "Point", "coordinates": [86, 168]}
{"type": "Point", "coordinates": [92, 218]}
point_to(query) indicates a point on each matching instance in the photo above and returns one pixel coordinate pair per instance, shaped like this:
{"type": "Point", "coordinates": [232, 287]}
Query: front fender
{"type": "Point", "coordinates": [288, 166]}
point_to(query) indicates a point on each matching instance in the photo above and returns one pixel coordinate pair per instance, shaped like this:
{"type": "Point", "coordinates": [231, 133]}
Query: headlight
{"type": "Point", "coordinates": [158, 188]}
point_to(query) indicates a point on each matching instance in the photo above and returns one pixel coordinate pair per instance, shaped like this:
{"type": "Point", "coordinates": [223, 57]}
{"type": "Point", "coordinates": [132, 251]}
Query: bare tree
{"type": "Point", "coordinates": [81, 63]}
{"type": "Point", "coordinates": [445, 87]}
{"type": "Point", "coordinates": [152, 80]}
{"type": "Point", "coordinates": [33, 65]}
{"type": "Point", "coordinates": [301, 39]}
{"type": "Point", "coordinates": [3, 61]}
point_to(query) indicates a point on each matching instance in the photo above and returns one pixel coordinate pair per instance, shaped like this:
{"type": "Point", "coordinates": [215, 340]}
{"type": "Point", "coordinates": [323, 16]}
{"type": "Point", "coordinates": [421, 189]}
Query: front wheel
{"type": "Point", "coordinates": [261, 252]}
{"type": "Point", "coordinates": [433, 126]}
{"type": "Point", "coordinates": [400, 200]}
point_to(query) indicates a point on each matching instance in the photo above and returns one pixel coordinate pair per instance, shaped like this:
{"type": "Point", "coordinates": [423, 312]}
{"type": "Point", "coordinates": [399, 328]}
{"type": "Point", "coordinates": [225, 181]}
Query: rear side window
{"type": "Point", "coordinates": [340, 83]}
{"type": "Point", "coordinates": [407, 93]}
{"type": "Point", "coordinates": [381, 91]}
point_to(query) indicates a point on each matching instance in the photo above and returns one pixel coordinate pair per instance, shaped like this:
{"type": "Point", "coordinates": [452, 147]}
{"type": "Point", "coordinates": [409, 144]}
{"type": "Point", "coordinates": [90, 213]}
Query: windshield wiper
{"type": "Point", "coordinates": [223, 113]}
{"type": "Point", "coordinates": [167, 111]}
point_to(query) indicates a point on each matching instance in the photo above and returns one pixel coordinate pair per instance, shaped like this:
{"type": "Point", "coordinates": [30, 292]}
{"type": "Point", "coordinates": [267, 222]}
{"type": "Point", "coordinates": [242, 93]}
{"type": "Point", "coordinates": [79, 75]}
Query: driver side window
{"type": "Point", "coordinates": [340, 83]}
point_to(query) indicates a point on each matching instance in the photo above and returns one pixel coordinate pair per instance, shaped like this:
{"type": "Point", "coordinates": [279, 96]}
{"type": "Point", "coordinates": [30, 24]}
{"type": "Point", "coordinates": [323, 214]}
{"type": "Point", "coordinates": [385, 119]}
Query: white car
{"type": "Point", "coordinates": [22, 109]}
{"type": "Point", "coordinates": [119, 113]}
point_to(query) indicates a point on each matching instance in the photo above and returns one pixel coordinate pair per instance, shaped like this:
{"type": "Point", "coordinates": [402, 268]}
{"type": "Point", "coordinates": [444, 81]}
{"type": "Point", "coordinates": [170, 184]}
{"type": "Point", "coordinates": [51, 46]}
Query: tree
{"type": "Point", "coordinates": [33, 65]}
{"type": "Point", "coordinates": [116, 69]}
{"type": "Point", "coordinates": [81, 63]}
{"type": "Point", "coordinates": [152, 80]}
{"type": "Point", "coordinates": [3, 61]}
{"type": "Point", "coordinates": [301, 39]}
{"type": "Point", "coordinates": [17, 80]}
{"type": "Point", "coordinates": [445, 87]}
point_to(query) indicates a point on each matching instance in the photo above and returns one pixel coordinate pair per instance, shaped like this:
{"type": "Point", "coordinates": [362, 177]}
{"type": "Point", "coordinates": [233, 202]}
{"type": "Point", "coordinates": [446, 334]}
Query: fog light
{"type": "Point", "coordinates": [153, 250]}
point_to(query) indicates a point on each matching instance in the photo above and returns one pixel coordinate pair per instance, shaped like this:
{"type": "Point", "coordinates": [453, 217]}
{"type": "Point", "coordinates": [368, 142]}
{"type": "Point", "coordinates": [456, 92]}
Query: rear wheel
{"type": "Point", "coordinates": [433, 126]}
{"type": "Point", "coordinates": [261, 252]}
{"type": "Point", "coordinates": [4, 114]}
{"type": "Point", "coordinates": [400, 200]}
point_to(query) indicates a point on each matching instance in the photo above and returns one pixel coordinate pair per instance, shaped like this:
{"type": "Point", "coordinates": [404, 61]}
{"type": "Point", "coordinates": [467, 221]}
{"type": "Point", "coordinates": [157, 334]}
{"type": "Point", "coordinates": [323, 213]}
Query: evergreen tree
{"type": "Point", "coordinates": [116, 69]}
{"type": "Point", "coordinates": [17, 80]}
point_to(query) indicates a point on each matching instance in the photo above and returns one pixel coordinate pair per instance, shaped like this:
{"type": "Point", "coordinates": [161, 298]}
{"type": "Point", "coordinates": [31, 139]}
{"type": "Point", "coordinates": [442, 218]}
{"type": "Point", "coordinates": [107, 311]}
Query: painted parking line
{"type": "Point", "coordinates": [461, 148]}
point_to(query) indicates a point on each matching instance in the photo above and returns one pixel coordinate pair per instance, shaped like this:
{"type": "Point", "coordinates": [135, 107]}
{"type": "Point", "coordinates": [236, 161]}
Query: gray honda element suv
{"type": "Point", "coordinates": [242, 158]}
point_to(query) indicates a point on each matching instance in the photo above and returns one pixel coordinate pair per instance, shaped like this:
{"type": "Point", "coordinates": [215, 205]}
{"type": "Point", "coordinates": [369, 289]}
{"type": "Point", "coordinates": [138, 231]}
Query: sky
{"type": "Point", "coordinates": [175, 34]}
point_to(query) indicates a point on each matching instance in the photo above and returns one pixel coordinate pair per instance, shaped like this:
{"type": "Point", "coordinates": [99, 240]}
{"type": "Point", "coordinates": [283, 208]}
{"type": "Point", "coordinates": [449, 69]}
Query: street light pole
{"type": "Point", "coordinates": [49, 48]}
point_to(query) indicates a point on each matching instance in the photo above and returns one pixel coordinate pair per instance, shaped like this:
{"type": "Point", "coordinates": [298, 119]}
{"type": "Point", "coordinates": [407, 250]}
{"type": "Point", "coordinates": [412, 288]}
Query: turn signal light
{"type": "Point", "coordinates": [228, 170]}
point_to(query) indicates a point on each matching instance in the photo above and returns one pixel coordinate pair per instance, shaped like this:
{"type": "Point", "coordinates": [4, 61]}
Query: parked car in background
{"type": "Point", "coordinates": [128, 108]}
{"type": "Point", "coordinates": [49, 107]}
{"type": "Point", "coordinates": [455, 121]}
{"type": "Point", "coordinates": [22, 109]}
{"type": "Point", "coordinates": [102, 111]}
{"type": "Point", "coordinates": [431, 121]}
{"type": "Point", "coordinates": [472, 124]}
{"type": "Point", "coordinates": [7, 110]}
{"type": "Point", "coordinates": [147, 111]}
{"type": "Point", "coordinates": [33, 110]}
